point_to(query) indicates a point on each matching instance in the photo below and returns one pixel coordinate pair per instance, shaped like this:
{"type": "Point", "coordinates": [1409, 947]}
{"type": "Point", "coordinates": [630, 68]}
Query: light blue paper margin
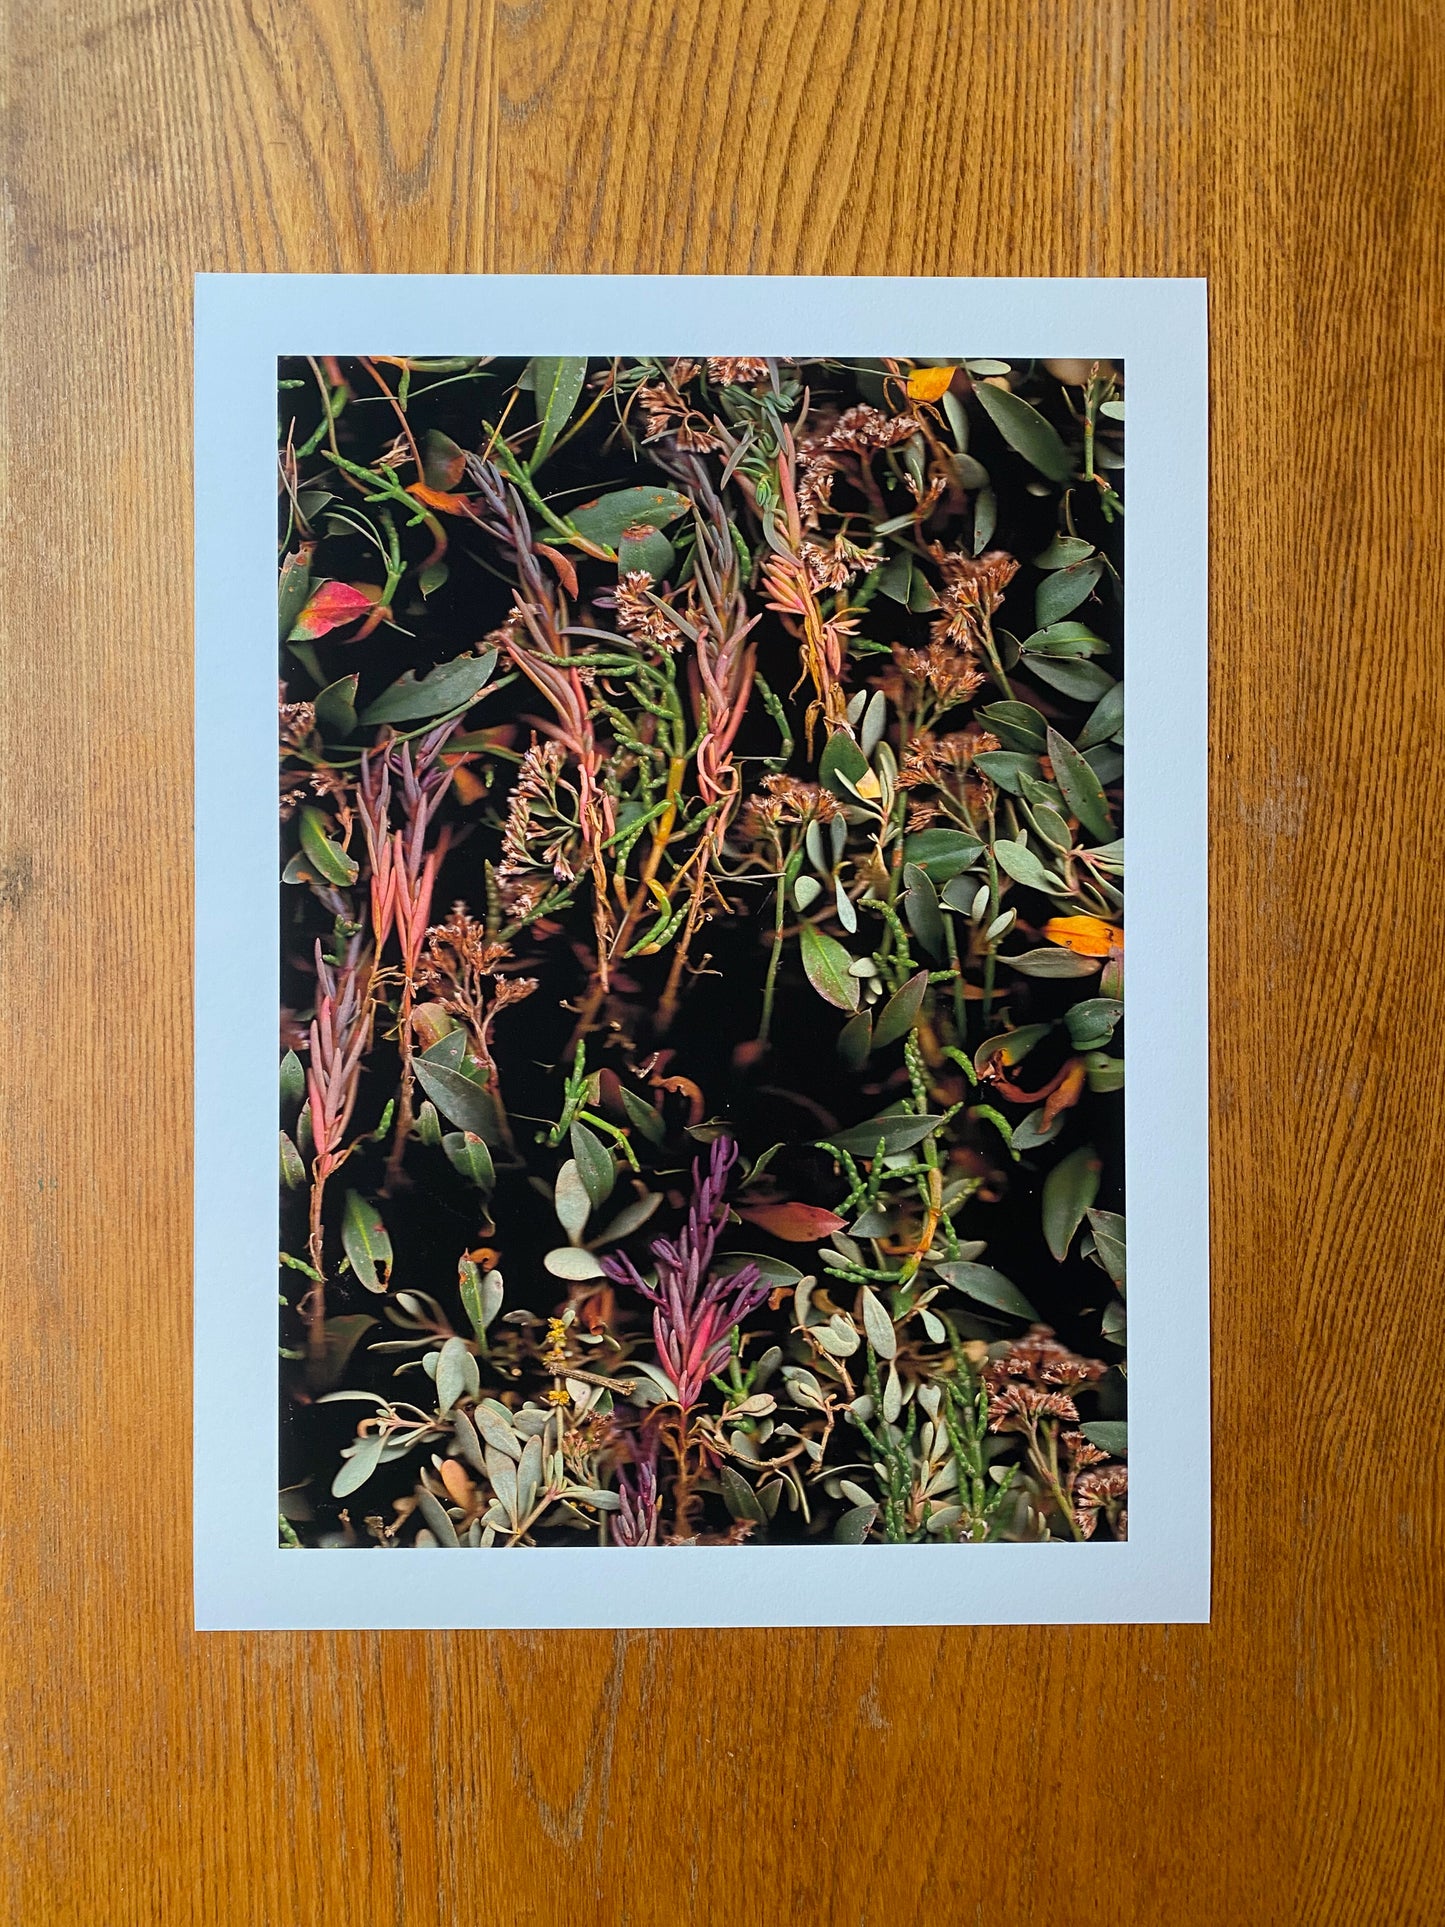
{"type": "Point", "coordinates": [243, 1580]}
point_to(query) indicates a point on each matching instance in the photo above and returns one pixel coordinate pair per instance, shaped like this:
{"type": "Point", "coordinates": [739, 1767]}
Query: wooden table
{"type": "Point", "coordinates": [1281, 1765]}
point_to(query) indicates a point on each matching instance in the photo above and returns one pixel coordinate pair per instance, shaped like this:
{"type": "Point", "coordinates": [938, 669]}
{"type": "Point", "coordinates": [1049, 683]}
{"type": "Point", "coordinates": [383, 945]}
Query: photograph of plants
{"type": "Point", "coordinates": [702, 952]}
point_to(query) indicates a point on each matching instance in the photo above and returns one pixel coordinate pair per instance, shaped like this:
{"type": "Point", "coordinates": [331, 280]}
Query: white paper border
{"type": "Point", "coordinates": [243, 1580]}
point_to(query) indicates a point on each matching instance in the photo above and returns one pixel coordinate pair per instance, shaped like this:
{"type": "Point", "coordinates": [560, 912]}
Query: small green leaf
{"type": "Point", "coordinates": [451, 685]}
{"type": "Point", "coordinates": [1034, 1133]}
{"type": "Point", "coordinates": [985, 1286]}
{"type": "Point", "coordinates": [1092, 1022]}
{"type": "Point", "coordinates": [432, 578]}
{"type": "Point", "coordinates": [293, 1079]}
{"type": "Point", "coordinates": [1109, 1242]}
{"type": "Point", "coordinates": [328, 859]}
{"type": "Point", "coordinates": [895, 578]}
{"type": "Point", "coordinates": [841, 759]}
{"type": "Point", "coordinates": [1065, 589]}
{"type": "Point", "coordinates": [1025, 429]}
{"type": "Point", "coordinates": [1063, 550]}
{"type": "Point", "coordinates": [293, 1169]}
{"type": "Point", "coordinates": [458, 1098]}
{"type": "Point", "coordinates": [900, 1013]}
{"type": "Point", "coordinates": [1065, 639]}
{"type": "Point", "coordinates": [292, 590]}
{"type": "Point", "coordinates": [739, 1497]}
{"type": "Point", "coordinates": [1020, 863]}
{"type": "Point", "coordinates": [1069, 1190]}
{"type": "Point", "coordinates": [1105, 1074]}
{"type": "Point", "coordinates": [896, 1130]}
{"type": "Point", "coordinates": [1082, 790]}
{"type": "Point", "coordinates": [1111, 1435]}
{"type": "Point", "coordinates": [1072, 676]}
{"type": "Point", "coordinates": [364, 1239]}
{"type": "Point", "coordinates": [469, 1155]}
{"type": "Point", "coordinates": [855, 1525]}
{"type": "Point", "coordinates": [336, 706]}
{"type": "Point", "coordinates": [556, 383]}
{"type": "Point", "coordinates": [603, 521]}
{"type": "Point", "coordinates": [643, 1116]}
{"type": "Point", "coordinates": [1107, 720]}
{"type": "Point", "coordinates": [594, 1163]}
{"type": "Point", "coordinates": [1005, 767]}
{"type": "Point", "coordinates": [652, 552]}
{"type": "Point", "coordinates": [827, 964]}
{"type": "Point", "coordinates": [1011, 1046]}
{"type": "Point", "coordinates": [1018, 726]}
{"type": "Point", "coordinates": [920, 908]}
{"type": "Point", "coordinates": [942, 854]}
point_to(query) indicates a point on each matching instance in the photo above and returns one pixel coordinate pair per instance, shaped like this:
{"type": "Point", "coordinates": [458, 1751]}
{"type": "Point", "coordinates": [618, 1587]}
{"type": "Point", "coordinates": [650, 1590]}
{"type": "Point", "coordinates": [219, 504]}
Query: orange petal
{"type": "Point", "coordinates": [930, 384]}
{"type": "Point", "coordinates": [1085, 936]}
{"type": "Point", "coordinates": [436, 498]}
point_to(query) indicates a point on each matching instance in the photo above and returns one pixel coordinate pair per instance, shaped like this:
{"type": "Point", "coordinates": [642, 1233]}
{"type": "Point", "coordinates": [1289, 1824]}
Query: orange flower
{"type": "Point", "coordinates": [1085, 936]}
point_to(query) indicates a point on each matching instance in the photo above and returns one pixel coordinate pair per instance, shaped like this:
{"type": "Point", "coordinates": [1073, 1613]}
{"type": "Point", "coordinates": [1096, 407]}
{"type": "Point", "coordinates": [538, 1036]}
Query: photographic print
{"type": "Point", "coordinates": [700, 967]}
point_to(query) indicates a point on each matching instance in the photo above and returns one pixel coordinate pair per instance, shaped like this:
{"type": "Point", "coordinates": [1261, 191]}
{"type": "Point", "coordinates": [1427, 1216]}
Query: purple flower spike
{"type": "Point", "coordinates": [694, 1315]}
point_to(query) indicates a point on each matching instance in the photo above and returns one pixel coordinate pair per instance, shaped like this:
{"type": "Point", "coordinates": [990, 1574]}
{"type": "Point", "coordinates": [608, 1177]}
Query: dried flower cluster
{"type": "Point", "coordinates": [739, 1157]}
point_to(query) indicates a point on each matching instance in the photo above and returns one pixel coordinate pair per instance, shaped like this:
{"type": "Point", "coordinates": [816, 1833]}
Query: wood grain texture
{"type": "Point", "coordinates": [1281, 1765]}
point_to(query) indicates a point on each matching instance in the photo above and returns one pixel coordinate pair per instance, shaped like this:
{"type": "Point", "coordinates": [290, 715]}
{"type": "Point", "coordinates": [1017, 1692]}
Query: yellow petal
{"type": "Point", "coordinates": [929, 384]}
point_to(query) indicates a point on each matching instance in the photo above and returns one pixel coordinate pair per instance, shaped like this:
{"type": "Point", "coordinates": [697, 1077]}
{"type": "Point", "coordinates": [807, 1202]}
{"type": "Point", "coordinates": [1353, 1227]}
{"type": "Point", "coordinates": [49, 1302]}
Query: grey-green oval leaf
{"type": "Point", "coordinates": [878, 1325]}
{"type": "Point", "coordinates": [356, 1470]}
{"type": "Point", "coordinates": [1069, 1190]}
{"type": "Point", "coordinates": [1052, 961]}
{"type": "Point", "coordinates": [1107, 720]}
{"type": "Point", "coordinates": [465, 1103]}
{"type": "Point", "coordinates": [1025, 429]}
{"type": "Point", "coordinates": [1082, 789]}
{"type": "Point", "coordinates": [1065, 589]}
{"type": "Point", "coordinates": [1020, 863]}
{"type": "Point", "coordinates": [985, 1286]}
{"type": "Point", "coordinates": [943, 854]}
